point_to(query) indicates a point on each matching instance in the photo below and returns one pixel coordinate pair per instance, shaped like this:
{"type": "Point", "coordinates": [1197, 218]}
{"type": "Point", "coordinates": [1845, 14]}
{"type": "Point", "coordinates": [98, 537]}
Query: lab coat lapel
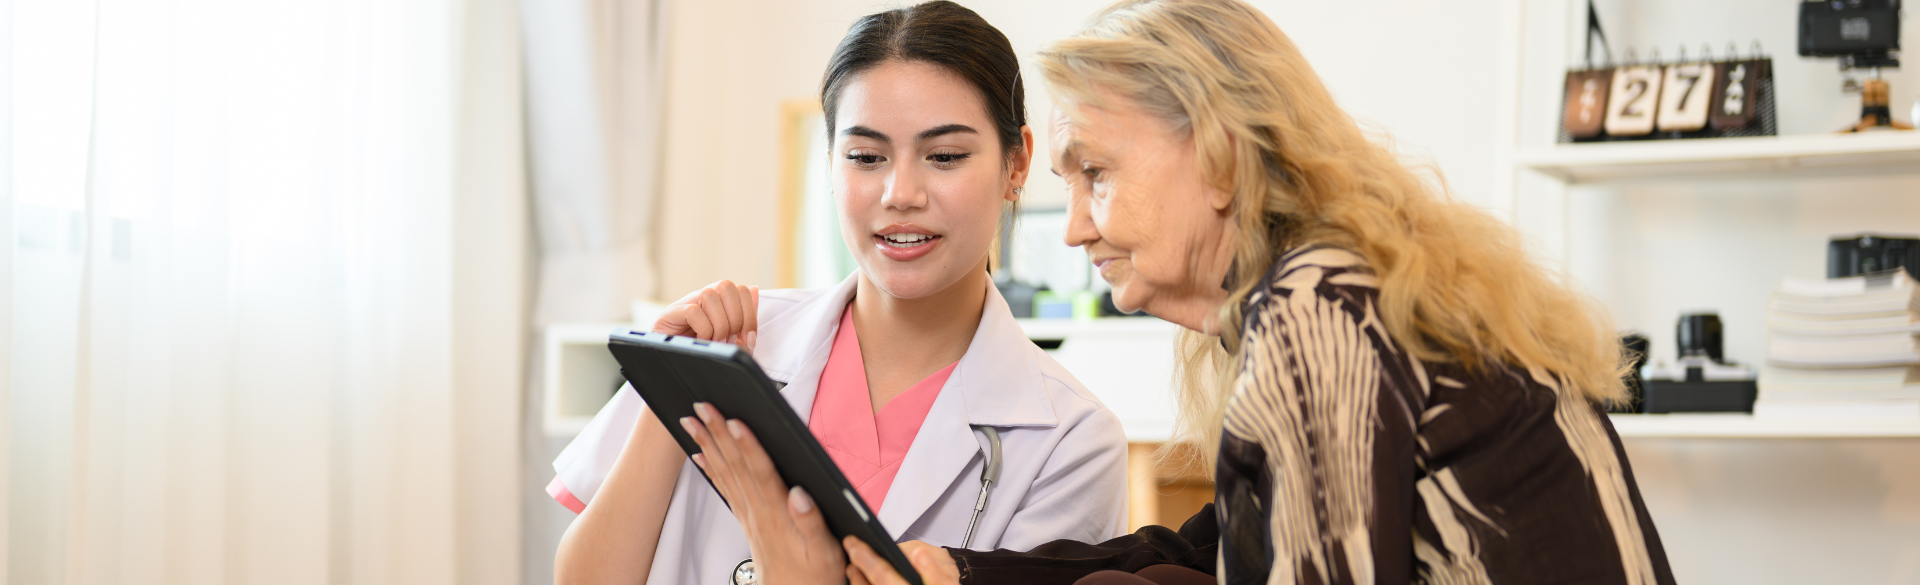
{"type": "Point", "coordinates": [998, 384]}
{"type": "Point", "coordinates": [794, 347]}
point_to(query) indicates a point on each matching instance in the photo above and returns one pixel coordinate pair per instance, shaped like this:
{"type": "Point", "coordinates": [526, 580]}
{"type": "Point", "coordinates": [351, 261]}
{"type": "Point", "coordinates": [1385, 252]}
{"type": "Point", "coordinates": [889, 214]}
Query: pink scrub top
{"type": "Point", "coordinates": [867, 446]}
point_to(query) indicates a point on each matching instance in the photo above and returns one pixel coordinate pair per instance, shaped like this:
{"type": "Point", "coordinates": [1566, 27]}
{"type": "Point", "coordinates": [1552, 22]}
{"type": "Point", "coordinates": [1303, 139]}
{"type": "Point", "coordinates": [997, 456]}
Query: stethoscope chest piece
{"type": "Point", "coordinates": [743, 574]}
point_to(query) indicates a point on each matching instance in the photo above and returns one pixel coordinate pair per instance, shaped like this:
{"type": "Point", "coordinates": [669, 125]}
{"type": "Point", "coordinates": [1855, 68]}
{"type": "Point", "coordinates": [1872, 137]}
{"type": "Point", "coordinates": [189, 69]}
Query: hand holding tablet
{"type": "Point", "coordinates": [686, 382]}
{"type": "Point", "coordinates": [784, 528]}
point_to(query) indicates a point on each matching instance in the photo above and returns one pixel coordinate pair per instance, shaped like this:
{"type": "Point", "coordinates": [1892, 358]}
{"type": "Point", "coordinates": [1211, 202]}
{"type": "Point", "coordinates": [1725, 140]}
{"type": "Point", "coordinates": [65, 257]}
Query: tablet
{"type": "Point", "coordinates": [673, 372]}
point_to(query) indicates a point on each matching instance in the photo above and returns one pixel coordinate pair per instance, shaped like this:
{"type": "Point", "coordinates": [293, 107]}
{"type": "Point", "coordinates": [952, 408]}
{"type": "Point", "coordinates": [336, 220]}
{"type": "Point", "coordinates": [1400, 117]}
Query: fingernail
{"type": "Point", "coordinates": [734, 428]}
{"type": "Point", "coordinates": [700, 459]}
{"type": "Point", "coordinates": [802, 503]}
{"type": "Point", "coordinates": [705, 411]}
{"type": "Point", "coordinates": [753, 340]}
{"type": "Point", "coordinates": [692, 427]}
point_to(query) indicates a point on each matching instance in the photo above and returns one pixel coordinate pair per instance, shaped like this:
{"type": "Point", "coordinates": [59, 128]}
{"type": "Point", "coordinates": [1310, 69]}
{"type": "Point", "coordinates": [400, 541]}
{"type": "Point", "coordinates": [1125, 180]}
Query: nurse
{"type": "Point", "coordinates": [905, 370]}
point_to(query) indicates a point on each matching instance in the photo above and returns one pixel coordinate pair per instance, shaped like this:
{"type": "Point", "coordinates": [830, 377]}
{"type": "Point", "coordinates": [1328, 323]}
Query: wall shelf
{"type": "Point", "coordinates": [579, 375]}
{"type": "Point", "coordinates": [1746, 426]}
{"type": "Point", "coordinates": [1815, 153]}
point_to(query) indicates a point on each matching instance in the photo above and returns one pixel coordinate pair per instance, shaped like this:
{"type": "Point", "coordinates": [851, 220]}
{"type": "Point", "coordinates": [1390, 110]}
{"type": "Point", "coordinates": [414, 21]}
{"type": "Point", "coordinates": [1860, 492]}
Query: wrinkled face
{"type": "Point", "coordinates": [1138, 202]}
{"type": "Point", "coordinates": [919, 177]}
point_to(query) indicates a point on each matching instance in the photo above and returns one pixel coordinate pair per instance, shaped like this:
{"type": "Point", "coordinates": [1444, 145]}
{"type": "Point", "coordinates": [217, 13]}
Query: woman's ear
{"type": "Point", "coordinates": [1021, 163]}
{"type": "Point", "coordinates": [1222, 199]}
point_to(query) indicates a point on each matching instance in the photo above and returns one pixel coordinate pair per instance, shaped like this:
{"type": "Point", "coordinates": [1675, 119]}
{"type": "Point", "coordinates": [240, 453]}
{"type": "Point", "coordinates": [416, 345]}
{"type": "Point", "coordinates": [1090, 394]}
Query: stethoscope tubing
{"type": "Point", "coordinates": [988, 474]}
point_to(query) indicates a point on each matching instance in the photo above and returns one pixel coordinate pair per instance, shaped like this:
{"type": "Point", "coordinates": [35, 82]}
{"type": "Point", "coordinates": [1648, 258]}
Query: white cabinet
{"type": "Point", "coordinates": [578, 375]}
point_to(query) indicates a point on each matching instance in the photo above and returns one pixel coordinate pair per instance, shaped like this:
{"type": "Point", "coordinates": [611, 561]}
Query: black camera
{"type": "Point", "coordinates": [1862, 33]}
{"type": "Point", "coordinates": [1866, 253]}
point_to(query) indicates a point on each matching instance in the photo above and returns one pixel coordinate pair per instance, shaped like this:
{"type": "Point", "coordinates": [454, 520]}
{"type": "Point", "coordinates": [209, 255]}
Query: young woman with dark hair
{"type": "Point", "coordinates": [905, 372]}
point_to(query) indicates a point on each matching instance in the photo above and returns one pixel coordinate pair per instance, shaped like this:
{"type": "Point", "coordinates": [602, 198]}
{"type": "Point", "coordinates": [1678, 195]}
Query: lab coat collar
{"type": "Point", "coordinates": [789, 341]}
{"type": "Point", "coordinates": [1000, 374]}
{"type": "Point", "coordinates": [999, 379]}
{"type": "Point", "coordinates": [998, 383]}
{"type": "Point", "coordinates": [794, 346]}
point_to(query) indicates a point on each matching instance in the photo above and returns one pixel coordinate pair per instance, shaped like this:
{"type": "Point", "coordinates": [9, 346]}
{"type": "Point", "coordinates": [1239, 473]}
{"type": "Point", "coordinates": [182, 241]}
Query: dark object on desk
{"type": "Point", "coordinates": [1866, 253]}
{"type": "Point", "coordinates": [1636, 345]}
{"type": "Point", "coordinates": [1019, 296]}
{"type": "Point", "coordinates": [1699, 333]}
{"type": "Point", "coordinates": [1667, 396]}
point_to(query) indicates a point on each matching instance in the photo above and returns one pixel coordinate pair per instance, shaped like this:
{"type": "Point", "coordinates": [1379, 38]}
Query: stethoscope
{"type": "Point", "coordinates": [988, 475]}
{"type": "Point", "coordinates": [743, 573]}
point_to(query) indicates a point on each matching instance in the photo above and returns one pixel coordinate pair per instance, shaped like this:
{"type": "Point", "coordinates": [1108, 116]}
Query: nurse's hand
{"type": "Point", "coordinates": [784, 529]}
{"type": "Point", "coordinates": [722, 311]}
{"type": "Point", "coordinates": [865, 567]}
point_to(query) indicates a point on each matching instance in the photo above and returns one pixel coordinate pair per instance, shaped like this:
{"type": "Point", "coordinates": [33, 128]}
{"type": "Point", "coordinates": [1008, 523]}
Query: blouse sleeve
{"type": "Point", "coordinates": [1318, 441]}
{"type": "Point", "coordinates": [1194, 546]}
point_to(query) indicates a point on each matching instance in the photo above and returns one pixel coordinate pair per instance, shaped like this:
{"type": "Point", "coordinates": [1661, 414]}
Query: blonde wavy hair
{"type": "Point", "coordinates": [1456, 284]}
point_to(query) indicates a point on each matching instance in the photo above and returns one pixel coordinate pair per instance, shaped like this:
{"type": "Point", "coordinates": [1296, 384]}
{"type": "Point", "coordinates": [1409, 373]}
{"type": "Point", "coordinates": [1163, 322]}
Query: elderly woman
{"type": "Point", "coordinates": [1395, 392]}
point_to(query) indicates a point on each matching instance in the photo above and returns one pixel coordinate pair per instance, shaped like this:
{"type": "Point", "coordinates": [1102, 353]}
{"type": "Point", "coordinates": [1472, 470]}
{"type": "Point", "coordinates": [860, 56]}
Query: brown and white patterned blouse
{"type": "Point", "coordinates": [1346, 460]}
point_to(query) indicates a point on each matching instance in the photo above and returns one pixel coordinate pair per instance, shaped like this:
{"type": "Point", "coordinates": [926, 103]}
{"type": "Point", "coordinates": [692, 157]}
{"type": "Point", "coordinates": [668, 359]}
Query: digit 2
{"type": "Point", "coordinates": [1636, 90]}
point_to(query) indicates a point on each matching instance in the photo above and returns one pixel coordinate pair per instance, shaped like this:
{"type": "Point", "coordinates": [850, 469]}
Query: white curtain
{"type": "Point", "coordinates": [595, 74]}
{"type": "Point", "coordinates": [595, 71]}
{"type": "Point", "coordinates": [233, 274]}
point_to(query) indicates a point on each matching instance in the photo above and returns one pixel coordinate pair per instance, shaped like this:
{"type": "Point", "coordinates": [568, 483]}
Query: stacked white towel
{"type": "Point", "coordinates": [1843, 347]}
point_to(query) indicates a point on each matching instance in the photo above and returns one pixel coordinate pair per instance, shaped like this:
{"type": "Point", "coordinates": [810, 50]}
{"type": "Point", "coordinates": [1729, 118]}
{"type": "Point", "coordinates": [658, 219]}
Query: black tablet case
{"type": "Point", "coordinates": [671, 373]}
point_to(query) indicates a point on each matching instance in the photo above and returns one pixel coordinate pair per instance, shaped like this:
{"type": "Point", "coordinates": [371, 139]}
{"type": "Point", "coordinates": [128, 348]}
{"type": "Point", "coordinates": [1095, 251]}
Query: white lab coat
{"type": "Point", "coordinates": [1063, 454]}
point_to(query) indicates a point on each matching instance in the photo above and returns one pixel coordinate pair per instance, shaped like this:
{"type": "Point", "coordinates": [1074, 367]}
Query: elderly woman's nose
{"type": "Point", "coordinates": [1080, 228]}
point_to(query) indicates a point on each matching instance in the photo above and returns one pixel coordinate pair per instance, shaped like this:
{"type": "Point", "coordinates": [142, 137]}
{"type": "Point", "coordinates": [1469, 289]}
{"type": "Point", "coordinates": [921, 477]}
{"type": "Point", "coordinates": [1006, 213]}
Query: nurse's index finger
{"type": "Point", "coordinates": [736, 314]}
{"type": "Point", "coordinates": [855, 577]}
{"type": "Point", "coordinates": [753, 318]}
{"type": "Point", "coordinates": [755, 457]}
{"type": "Point", "coordinates": [702, 459]}
{"type": "Point", "coordinates": [722, 469]}
{"type": "Point", "coordinates": [697, 321]}
{"type": "Point", "coordinates": [738, 467]}
{"type": "Point", "coordinates": [753, 308]}
{"type": "Point", "coordinates": [716, 311]}
{"type": "Point", "coordinates": [876, 569]}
